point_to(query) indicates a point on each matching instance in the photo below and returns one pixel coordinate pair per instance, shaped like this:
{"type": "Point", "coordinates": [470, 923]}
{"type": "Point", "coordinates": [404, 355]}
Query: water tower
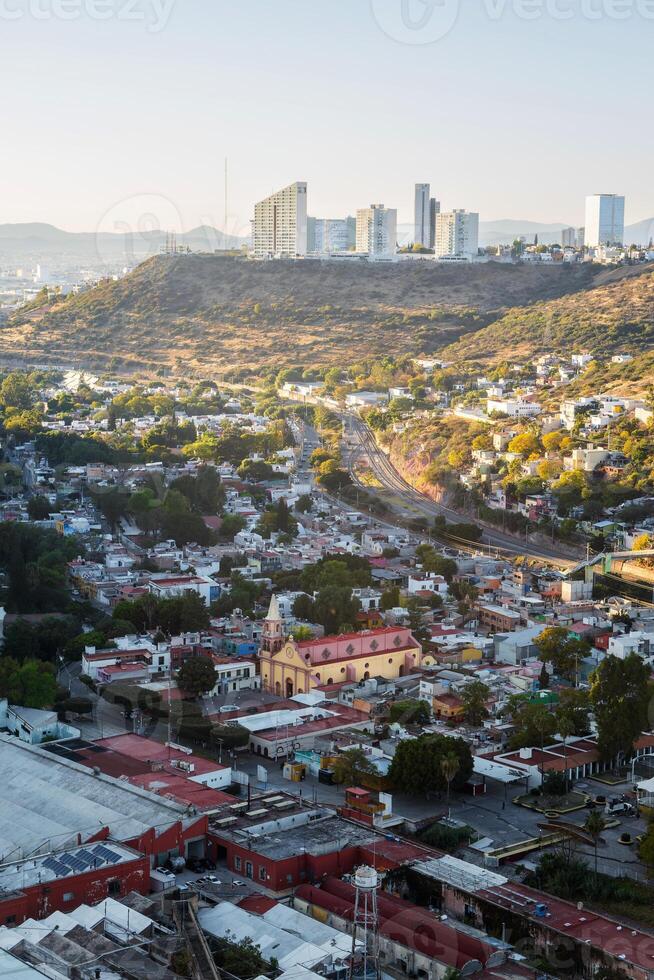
{"type": "Point", "coordinates": [364, 962]}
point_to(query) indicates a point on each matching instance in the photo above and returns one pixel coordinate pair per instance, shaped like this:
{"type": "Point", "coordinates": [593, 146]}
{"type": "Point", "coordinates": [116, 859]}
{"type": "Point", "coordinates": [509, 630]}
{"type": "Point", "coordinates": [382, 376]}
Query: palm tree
{"type": "Point", "coordinates": [450, 765]}
{"type": "Point", "coordinates": [594, 825]}
{"type": "Point", "coordinates": [566, 729]}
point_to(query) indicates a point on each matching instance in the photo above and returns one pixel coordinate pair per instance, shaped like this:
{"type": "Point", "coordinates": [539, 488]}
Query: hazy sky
{"type": "Point", "coordinates": [106, 120]}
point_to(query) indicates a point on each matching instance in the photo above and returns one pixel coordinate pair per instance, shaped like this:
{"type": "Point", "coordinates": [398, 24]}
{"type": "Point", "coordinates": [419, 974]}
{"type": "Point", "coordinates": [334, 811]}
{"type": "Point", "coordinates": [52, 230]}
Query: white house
{"type": "Point", "coordinates": [427, 582]}
{"type": "Point", "coordinates": [175, 586]}
{"type": "Point", "coordinates": [234, 674]}
{"type": "Point", "coordinates": [32, 725]}
{"type": "Point", "coordinates": [516, 408]}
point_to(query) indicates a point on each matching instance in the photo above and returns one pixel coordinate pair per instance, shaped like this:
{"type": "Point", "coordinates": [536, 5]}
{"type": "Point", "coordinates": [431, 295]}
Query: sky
{"type": "Point", "coordinates": [119, 114]}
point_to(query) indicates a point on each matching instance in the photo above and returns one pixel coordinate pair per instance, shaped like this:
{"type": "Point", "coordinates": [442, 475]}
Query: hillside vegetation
{"type": "Point", "coordinates": [615, 313]}
{"type": "Point", "coordinates": [203, 313]}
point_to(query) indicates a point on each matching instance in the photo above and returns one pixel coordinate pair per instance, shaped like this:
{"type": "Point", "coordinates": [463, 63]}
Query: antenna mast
{"type": "Point", "coordinates": [226, 201]}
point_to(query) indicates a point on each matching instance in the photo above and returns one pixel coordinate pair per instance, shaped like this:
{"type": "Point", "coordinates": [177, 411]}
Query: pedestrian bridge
{"type": "Point", "coordinates": [606, 559]}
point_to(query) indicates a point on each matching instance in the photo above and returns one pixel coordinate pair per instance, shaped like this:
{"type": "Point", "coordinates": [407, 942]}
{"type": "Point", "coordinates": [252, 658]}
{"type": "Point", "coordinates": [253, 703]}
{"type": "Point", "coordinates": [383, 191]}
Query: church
{"type": "Point", "coordinates": [288, 667]}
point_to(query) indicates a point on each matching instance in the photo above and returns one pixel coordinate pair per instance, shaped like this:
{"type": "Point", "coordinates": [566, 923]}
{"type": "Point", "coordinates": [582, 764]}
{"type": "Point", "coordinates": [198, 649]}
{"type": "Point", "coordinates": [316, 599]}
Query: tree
{"type": "Point", "coordinates": [619, 696]}
{"type": "Point", "coordinates": [304, 504]}
{"type": "Point", "coordinates": [410, 712]}
{"type": "Point", "coordinates": [526, 444]}
{"type": "Point", "coordinates": [334, 607]}
{"type": "Point", "coordinates": [304, 607]}
{"type": "Point", "coordinates": [543, 678]}
{"type": "Point", "coordinates": [231, 525]}
{"type": "Point", "coordinates": [350, 766]}
{"type": "Point", "coordinates": [450, 765]}
{"type": "Point", "coordinates": [301, 633]}
{"type": "Point", "coordinates": [241, 959]}
{"type": "Point", "coordinates": [573, 712]}
{"type": "Point", "coordinates": [431, 561]}
{"type": "Point", "coordinates": [230, 736]}
{"type": "Point", "coordinates": [113, 505]}
{"type": "Point", "coordinates": [646, 848]}
{"type": "Point", "coordinates": [76, 706]}
{"type": "Point", "coordinates": [594, 826]}
{"type": "Point", "coordinates": [38, 508]}
{"type": "Point", "coordinates": [474, 697]}
{"type": "Point", "coordinates": [197, 676]}
{"type": "Point", "coordinates": [644, 543]}
{"type": "Point", "coordinates": [416, 766]}
{"type": "Point", "coordinates": [31, 684]}
{"type": "Point", "coordinates": [255, 470]}
{"type": "Point", "coordinates": [534, 725]}
{"type": "Point", "coordinates": [390, 599]}
{"type": "Point", "coordinates": [563, 652]}
{"type": "Point", "coordinates": [16, 391]}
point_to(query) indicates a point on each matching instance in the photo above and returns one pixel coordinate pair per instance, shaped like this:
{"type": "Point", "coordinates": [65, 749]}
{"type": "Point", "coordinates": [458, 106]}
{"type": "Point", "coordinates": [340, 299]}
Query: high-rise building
{"type": "Point", "coordinates": [327, 235]}
{"type": "Point", "coordinates": [280, 224]}
{"type": "Point", "coordinates": [604, 220]}
{"type": "Point", "coordinates": [422, 215]}
{"type": "Point", "coordinates": [434, 211]}
{"type": "Point", "coordinates": [569, 237]}
{"type": "Point", "coordinates": [425, 210]}
{"type": "Point", "coordinates": [376, 230]}
{"type": "Point", "coordinates": [457, 235]}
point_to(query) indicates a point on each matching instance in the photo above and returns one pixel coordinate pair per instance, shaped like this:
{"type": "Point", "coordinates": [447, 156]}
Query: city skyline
{"type": "Point", "coordinates": [94, 156]}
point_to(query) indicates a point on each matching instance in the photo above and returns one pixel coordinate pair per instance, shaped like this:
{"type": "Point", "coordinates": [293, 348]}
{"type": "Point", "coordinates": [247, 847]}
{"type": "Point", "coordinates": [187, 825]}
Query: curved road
{"type": "Point", "coordinates": [391, 480]}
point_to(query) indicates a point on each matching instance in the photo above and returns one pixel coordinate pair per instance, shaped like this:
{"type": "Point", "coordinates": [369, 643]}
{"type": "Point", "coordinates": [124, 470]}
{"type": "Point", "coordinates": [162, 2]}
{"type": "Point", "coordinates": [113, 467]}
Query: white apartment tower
{"type": "Point", "coordinates": [425, 210]}
{"type": "Point", "coordinates": [604, 220]}
{"type": "Point", "coordinates": [457, 235]}
{"type": "Point", "coordinates": [376, 230]}
{"type": "Point", "coordinates": [280, 224]}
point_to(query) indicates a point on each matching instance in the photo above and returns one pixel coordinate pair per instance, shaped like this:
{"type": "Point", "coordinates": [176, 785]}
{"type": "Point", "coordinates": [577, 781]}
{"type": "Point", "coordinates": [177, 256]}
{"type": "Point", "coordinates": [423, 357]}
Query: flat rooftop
{"type": "Point", "coordinates": [154, 767]}
{"type": "Point", "coordinates": [47, 801]}
{"type": "Point", "coordinates": [280, 826]}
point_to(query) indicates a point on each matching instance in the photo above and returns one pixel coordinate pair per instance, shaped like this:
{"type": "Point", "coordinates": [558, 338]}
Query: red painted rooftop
{"type": "Point", "coordinates": [616, 938]}
{"type": "Point", "coordinates": [352, 636]}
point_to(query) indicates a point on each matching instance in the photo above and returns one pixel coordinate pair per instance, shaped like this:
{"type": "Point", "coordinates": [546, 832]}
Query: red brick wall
{"type": "Point", "coordinates": [39, 901]}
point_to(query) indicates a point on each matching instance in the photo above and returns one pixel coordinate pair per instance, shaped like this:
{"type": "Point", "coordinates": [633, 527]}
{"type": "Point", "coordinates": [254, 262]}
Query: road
{"type": "Point", "coordinates": [391, 480]}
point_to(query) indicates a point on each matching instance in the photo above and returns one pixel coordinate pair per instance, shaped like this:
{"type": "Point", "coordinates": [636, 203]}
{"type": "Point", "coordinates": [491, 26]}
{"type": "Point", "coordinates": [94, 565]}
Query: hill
{"type": "Point", "coordinates": [212, 312]}
{"type": "Point", "coordinates": [614, 313]}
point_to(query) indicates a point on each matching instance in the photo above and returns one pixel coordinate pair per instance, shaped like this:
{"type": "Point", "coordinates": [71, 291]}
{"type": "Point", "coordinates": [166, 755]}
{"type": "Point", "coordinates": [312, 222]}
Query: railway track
{"type": "Point", "coordinates": [393, 481]}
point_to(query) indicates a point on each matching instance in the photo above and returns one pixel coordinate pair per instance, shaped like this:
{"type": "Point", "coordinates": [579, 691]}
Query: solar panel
{"type": "Point", "coordinates": [92, 859]}
{"type": "Point", "coordinates": [76, 863]}
{"type": "Point", "coordinates": [103, 852]}
{"type": "Point", "coordinates": [50, 863]}
{"type": "Point", "coordinates": [84, 862]}
{"type": "Point", "coordinates": [57, 867]}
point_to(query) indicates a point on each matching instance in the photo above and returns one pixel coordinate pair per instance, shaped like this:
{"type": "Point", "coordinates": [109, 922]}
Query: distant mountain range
{"type": "Point", "coordinates": [45, 242]}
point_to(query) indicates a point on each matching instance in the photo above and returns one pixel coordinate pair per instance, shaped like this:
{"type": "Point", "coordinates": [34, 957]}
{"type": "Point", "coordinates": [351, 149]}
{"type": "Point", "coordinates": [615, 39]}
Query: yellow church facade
{"type": "Point", "coordinates": [288, 667]}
